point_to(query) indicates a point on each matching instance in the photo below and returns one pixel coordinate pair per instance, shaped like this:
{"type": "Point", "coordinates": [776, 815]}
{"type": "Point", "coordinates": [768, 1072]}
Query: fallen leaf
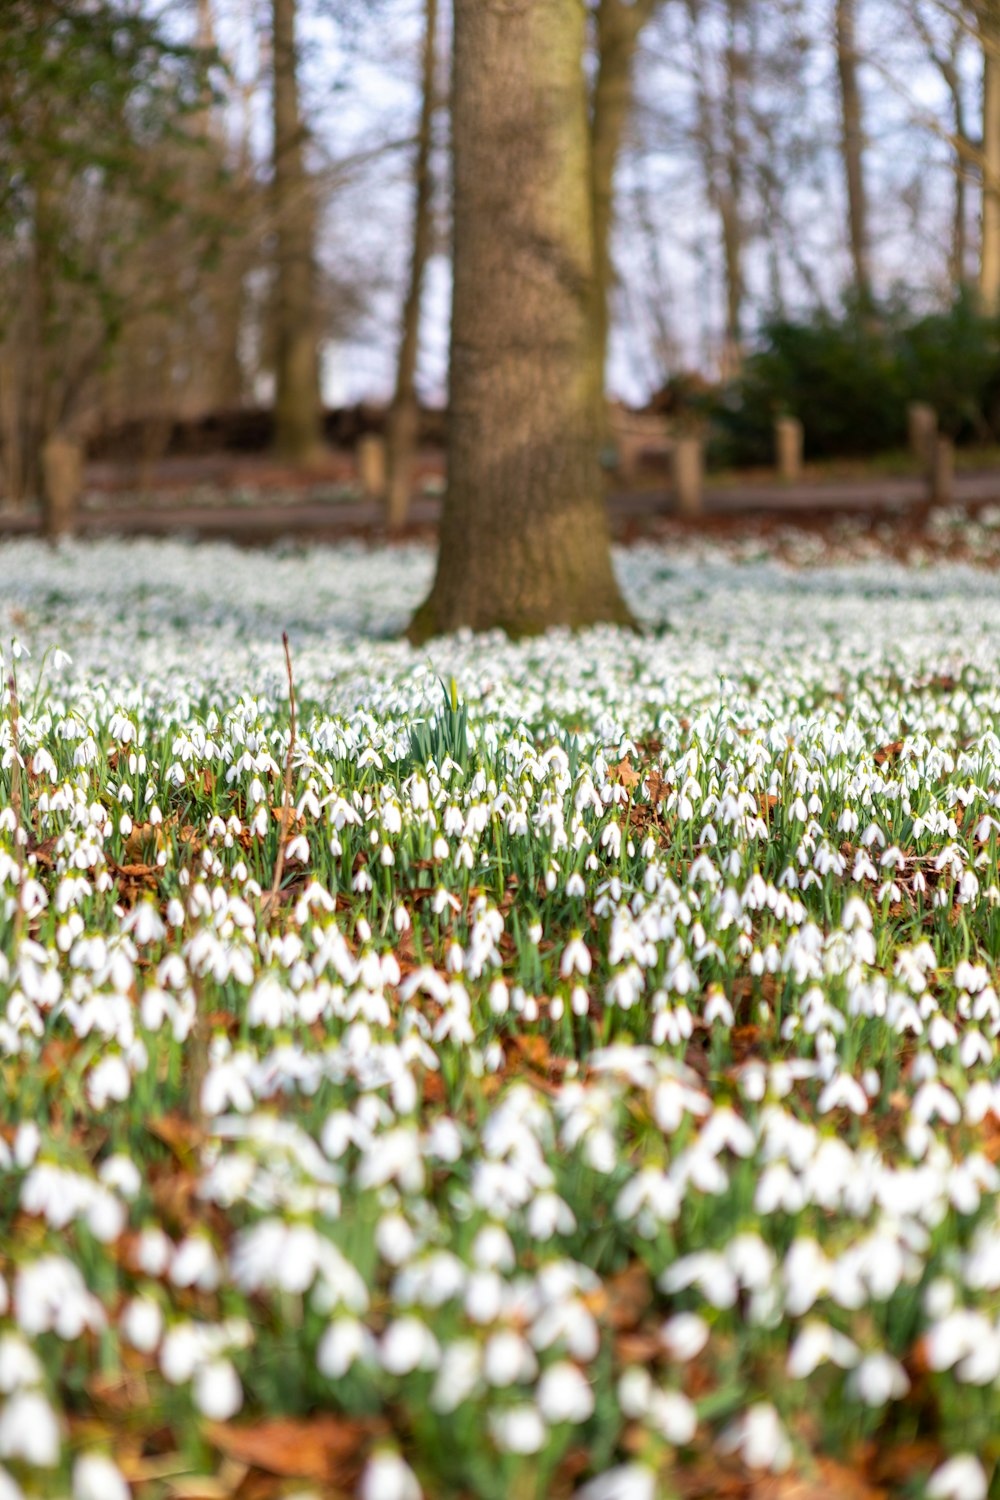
{"type": "Point", "coordinates": [626, 773]}
{"type": "Point", "coordinates": [318, 1448]}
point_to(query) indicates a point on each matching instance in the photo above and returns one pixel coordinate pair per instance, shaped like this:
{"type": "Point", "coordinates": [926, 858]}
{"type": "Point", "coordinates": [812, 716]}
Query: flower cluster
{"type": "Point", "coordinates": [612, 1069]}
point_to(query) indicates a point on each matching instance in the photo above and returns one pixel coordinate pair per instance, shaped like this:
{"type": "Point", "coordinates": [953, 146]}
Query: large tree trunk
{"type": "Point", "coordinates": [989, 252]}
{"type": "Point", "coordinates": [297, 400]}
{"type": "Point", "coordinates": [404, 414]}
{"type": "Point", "coordinates": [853, 144]}
{"type": "Point", "coordinates": [618, 28]}
{"type": "Point", "coordinates": [524, 535]}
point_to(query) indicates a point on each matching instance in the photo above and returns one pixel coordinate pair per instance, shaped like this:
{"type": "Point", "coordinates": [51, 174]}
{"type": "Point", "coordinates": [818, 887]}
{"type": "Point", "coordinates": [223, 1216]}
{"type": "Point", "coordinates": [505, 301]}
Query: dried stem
{"type": "Point", "coordinates": [286, 796]}
{"type": "Point", "coordinates": [15, 802]}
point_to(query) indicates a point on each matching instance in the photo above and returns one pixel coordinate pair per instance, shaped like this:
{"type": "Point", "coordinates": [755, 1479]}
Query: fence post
{"type": "Point", "coordinates": [788, 442]}
{"type": "Point", "coordinates": [943, 472]}
{"type": "Point", "coordinates": [688, 475]}
{"type": "Point", "coordinates": [922, 427]}
{"type": "Point", "coordinates": [371, 462]}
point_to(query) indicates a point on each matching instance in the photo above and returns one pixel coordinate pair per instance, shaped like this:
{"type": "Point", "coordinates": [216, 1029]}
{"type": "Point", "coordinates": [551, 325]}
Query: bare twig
{"type": "Point", "coordinates": [15, 802]}
{"type": "Point", "coordinates": [286, 795]}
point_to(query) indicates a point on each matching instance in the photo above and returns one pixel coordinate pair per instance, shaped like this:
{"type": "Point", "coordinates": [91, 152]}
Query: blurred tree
{"type": "Point", "coordinates": [404, 413]}
{"type": "Point", "coordinates": [298, 408]}
{"type": "Point", "coordinates": [853, 146]}
{"type": "Point", "coordinates": [618, 27]}
{"type": "Point", "coordinates": [524, 534]}
{"type": "Point", "coordinates": [987, 15]}
{"type": "Point", "coordinates": [93, 105]}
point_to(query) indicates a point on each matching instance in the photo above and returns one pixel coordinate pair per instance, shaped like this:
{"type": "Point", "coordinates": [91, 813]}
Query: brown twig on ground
{"type": "Point", "coordinates": [15, 802]}
{"type": "Point", "coordinates": [286, 794]}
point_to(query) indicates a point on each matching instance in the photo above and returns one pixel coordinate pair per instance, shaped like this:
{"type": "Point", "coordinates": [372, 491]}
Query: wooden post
{"type": "Point", "coordinates": [922, 427]}
{"type": "Point", "coordinates": [370, 457]}
{"type": "Point", "coordinates": [788, 439]}
{"type": "Point", "coordinates": [688, 471]}
{"type": "Point", "coordinates": [943, 472]}
{"type": "Point", "coordinates": [62, 483]}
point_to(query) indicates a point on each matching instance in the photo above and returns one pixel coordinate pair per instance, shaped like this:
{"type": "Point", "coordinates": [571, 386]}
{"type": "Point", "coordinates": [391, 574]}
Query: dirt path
{"type": "Point", "coordinates": [259, 518]}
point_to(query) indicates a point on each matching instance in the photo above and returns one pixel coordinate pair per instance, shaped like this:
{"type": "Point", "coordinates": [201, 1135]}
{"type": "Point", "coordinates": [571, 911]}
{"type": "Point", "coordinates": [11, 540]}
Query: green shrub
{"type": "Point", "coordinates": [849, 378]}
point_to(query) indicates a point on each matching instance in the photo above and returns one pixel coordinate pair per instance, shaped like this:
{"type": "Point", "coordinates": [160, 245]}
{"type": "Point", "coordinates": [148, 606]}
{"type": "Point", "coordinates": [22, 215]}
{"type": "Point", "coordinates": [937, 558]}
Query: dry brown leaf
{"type": "Point", "coordinates": [182, 1136]}
{"type": "Point", "coordinates": [318, 1448]}
{"type": "Point", "coordinates": [626, 773]}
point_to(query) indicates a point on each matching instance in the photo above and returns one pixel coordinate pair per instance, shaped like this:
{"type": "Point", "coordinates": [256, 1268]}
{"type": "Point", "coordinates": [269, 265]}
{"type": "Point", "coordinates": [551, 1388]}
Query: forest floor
{"type": "Point", "coordinates": [501, 1071]}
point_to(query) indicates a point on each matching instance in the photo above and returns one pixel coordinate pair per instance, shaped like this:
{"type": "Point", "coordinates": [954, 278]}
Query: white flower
{"type": "Point", "coordinates": [878, 1379]}
{"type": "Point", "coordinates": [508, 1358]}
{"type": "Point", "coordinates": [629, 1482]}
{"type": "Point", "coordinates": [684, 1336]}
{"type": "Point", "coordinates": [387, 1476]}
{"type": "Point", "coordinates": [218, 1394]}
{"type": "Point", "coordinates": [19, 1364]}
{"type": "Point", "coordinates": [458, 1375]}
{"type": "Point", "coordinates": [563, 1394]}
{"type": "Point", "coordinates": [673, 1416]}
{"type": "Point", "coordinates": [9, 1488]}
{"type": "Point", "coordinates": [407, 1345]}
{"type": "Point", "coordinates": [29, 1430]}
{"type": "Point", "coordinates": [759, 1438]}
{"type": "Point", "coordinates": [96, 1477]}
{"type": "Point", "coordinates": [345, 1341]}
{"type": "Point", "coordinates": [960, 1478]}
{"type": "Point", "coordinates": [519, 1429]}
{"type": "Point", "coordinates": [142, 1324]}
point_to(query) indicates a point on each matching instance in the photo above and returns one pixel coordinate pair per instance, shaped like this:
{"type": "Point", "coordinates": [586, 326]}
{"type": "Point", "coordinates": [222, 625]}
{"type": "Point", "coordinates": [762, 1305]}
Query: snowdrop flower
{"type": "Point", "coordinates": [29, 1430]}
{"type": "Point", "coordinates": [684, 1336]}
{"type": "Point", "coordinates": [408, 1345]}
{"type": "Point", "coordinates": [518, 1429]}
{"type": "Point", "coordinates": [563, 1395]}
{"type": "Point", "coordinates": [458, 1376]}
{"type": "Point", "coordinates": [387, 1476]}
{"type": "Point", "coordinates": [759, 1438]}
{"type": "Point", "coordinates": [141, 1324]}
{"type": "Point", "coordinates": [960, 1478]}
{"type": "Point", "coordinates": [673, 1416]}
{"type": "Point", "coordinates": [96, 1477]}
{"type": "Point", "coordinates": [629, 1482]}
{"type": "Point", "coordinates": [879, 1379]}
{"type": "Point", "coordinates": [218, 1394]}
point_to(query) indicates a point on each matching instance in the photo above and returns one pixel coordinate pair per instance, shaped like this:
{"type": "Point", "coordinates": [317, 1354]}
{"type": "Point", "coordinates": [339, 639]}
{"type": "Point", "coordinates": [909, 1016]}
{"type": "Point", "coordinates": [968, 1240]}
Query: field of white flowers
{"type": "Point", "coordinates": [603, 1103]}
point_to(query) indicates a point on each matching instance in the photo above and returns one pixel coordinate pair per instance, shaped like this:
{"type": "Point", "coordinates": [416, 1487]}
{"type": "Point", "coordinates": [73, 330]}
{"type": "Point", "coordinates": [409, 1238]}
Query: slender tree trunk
{"type": "Point", "coordinates": [989, 250]}
{"type": "Point", "coordinates": [298, 414]}
{"type": "Point", "coordinates": [731, 195]}
{"type": "Point", "coordinates": [959, 230]}
{"type": "Point", "coordinates": [853, 145]}
{"type": "Point", "coordinates": [524, 535]}
{"type": "Point", "coordinates": [404, 414]}
{"type": "Point", "coordinates": [618, 28]}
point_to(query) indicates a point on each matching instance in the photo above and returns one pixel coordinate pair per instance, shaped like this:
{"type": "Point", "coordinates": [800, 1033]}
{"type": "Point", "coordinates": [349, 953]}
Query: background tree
{"type": "Point", "coordinates": [853, 146]}
{"type": "Point", "coordinates": [93, 105]}
{"type": "Point", "coordinates": [297, 405]}
{"type": "Point", "coordinates": [524, 535]}
{"type": "Point", "coordinates": [404, 414]}
{"type": "Point", "coordinates": [618, 26]}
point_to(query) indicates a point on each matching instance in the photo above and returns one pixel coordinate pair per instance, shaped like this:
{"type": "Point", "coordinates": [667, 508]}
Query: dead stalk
{"type": "Point", "coordinates": [15, 802]}
{"type": "Point", "coordinates": [286, 795]}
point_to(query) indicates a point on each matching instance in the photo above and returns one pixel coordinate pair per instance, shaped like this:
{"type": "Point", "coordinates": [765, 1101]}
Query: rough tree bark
{"type": "Point", "coordinates": [524, 534]}
{"type": "Point", "coordinates": [404, 413]}
{"type": "Point", "coordinates": [853, 145]}
{"type": "Point", "coordinates": [297, 411]}
{"type": "Point", "coordinates": [989, 250]}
